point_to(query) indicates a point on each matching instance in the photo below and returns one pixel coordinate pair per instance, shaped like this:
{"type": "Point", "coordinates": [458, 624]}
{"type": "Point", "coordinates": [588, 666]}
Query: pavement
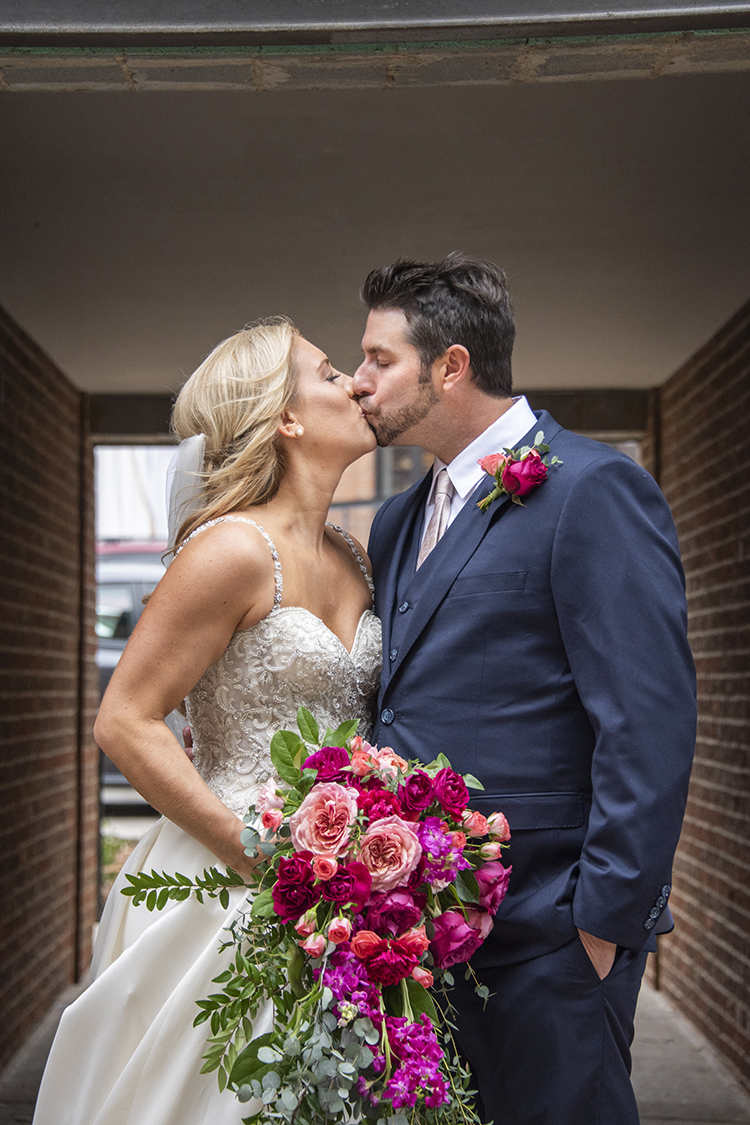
{"type": "Point", "coordinates": [677, 1076]}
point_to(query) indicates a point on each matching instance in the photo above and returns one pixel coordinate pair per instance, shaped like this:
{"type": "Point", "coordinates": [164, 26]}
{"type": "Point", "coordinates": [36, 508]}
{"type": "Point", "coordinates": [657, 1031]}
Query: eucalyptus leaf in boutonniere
{"type": "Point", "coordinates": [517, 471]}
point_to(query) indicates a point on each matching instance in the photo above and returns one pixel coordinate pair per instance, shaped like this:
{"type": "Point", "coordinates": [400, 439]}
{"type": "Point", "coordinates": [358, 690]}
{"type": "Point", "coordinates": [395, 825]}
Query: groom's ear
{"type": "Point", "coordinates": [454, 366]}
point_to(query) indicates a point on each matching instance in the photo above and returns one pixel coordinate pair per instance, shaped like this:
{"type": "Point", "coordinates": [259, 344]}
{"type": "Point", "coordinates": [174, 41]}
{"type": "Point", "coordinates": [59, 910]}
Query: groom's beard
{"type": "Point", "coordinates": [390, 425]}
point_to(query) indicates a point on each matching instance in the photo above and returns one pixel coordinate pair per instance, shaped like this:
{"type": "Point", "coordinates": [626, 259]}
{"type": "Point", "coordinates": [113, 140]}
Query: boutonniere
{"type": "Point", "coordinates": [517, 471]}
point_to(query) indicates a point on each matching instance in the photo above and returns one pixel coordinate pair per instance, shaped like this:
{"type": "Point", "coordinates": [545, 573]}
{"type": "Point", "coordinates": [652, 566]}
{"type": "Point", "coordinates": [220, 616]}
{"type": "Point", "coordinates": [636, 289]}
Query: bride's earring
{"type": "Point", "coordinates": [298, 431]}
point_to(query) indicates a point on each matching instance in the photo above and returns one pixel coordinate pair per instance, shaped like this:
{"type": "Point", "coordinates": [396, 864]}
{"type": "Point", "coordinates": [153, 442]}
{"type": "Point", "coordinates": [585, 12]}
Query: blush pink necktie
{"type": "Point", "coordinates": [439, 520]}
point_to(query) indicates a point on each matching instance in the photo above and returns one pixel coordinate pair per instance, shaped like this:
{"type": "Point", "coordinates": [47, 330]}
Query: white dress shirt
{"type": "Point", "coordinates": [464, 471]}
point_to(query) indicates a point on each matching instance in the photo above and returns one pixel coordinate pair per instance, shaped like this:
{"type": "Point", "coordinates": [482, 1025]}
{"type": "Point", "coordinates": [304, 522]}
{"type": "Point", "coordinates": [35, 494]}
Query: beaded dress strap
{"type": "Point", "coordinates": [278, 583]}
{"type": "Point", "coordinates": [355, 551]}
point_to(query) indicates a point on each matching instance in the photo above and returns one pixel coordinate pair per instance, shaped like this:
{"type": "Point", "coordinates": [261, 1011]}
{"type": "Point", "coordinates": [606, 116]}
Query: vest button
{"type": "Point", "coordinates": [403, 607]}
{"type": "Point", "coordinates": [393, 653]}
{"type": "Point", "coordinates": [387, 716]}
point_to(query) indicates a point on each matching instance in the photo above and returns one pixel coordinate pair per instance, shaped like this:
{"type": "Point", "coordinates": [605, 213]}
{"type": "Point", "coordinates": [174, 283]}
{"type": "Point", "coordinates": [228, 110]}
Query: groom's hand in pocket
{"type": "Point", "coordinates": [601, 953]}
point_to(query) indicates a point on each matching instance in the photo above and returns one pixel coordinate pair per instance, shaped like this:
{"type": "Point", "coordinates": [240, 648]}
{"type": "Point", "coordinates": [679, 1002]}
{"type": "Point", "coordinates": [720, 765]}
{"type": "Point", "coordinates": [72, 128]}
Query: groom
{"type": "Point", "coordinates": [542, 648]}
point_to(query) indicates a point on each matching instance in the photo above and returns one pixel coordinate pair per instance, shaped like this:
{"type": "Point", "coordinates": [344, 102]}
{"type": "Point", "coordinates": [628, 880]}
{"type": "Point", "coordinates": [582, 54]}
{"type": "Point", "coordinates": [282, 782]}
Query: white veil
{"type": "Point", "coordinates": [184, 483]}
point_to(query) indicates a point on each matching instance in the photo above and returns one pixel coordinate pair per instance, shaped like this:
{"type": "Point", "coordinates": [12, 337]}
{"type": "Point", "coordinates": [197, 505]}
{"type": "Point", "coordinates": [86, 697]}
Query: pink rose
{"type": "Point", "coordinates": [492, 850]}
{"type": "Point", "coordinates": [423, 976]}
{"type": "Point", "coordinates": [325, 867]}
{"type": "Point", "coordinates": [492, 879]}
{"type": "Point", "coordinates": [314, 945]}
{"type": "Point", "coordinates": [307, 924]}
{"type": "Point", "coordinates": [474, 823]}
{"type": "Point", "coordinates": [490, 464]}
{"type": "Point", "coordinates": [323, 822]}
{"type": "Point", "coordinates": [267, 798]}
{"type": "Point", "coordinates": [272, 818]}
{"type": "Point", "coordinates": [389, 762]}
{"type": "Point", "coordinates": [390, 850]}
{"type": "Point", "coordinates": [339, 930]}
{"type": "Point", "coordinates": [519, 477]}
{"type": "Point", "coordinates": [498, 827]}
{"type": "Point", "coordinates": [457, 939]}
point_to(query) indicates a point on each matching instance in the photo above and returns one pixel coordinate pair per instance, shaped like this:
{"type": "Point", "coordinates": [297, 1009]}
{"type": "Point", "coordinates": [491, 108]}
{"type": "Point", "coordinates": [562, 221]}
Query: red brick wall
{"type": "Point", "coordinates": [704, 459]}
{"type": "Point", "coordinates": [49, 776]}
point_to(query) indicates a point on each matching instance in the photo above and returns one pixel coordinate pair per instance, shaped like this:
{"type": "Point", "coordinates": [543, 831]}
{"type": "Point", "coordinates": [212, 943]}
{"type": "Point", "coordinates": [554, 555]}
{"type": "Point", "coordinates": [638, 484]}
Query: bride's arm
{"type": "Point", "coordinates": [223, 577]}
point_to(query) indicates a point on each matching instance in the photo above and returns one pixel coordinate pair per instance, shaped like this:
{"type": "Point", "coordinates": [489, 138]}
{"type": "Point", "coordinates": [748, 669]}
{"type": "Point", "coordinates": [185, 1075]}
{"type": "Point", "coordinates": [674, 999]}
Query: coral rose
{"type": "Point", "coordinates": [390, 850]}
{"type": "Point", "coordinates": [307, 924]}
{"type": "Point", "coordinates": [414, 941]}
{"type": "Point", "coordinates": [323, 822]}
{"type": "Point", "coordinates": [474, 823]}
{"type": "Point", "coordinates": [491, 463]}
{"type": "Point", "coordinates": [325, 867]}
{"type": "Point", "coordinates": [339, 930]}
{"type": "Point", "coordinates": [366, 944]}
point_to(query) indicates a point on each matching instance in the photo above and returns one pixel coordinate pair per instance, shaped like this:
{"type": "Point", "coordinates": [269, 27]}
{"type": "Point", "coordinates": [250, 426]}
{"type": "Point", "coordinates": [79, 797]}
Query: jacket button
{"type": "Point", "coordinates": [654, 912]}
{"type": "Point", "coordinates": [403, 607]}
{"type": "Point", "coordinates": [666, 889]}
{"type": "Point", "coordinates": [393, 653]}
{"type": "Point", "coordinates": [649, 924]}
{"type": "Point", "coordinates": [387, 716]}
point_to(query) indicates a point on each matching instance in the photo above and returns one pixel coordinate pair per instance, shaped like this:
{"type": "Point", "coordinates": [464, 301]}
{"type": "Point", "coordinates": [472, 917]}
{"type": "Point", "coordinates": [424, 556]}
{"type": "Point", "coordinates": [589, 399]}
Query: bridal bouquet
{"type": "Point", "coordinates": [379, 879]}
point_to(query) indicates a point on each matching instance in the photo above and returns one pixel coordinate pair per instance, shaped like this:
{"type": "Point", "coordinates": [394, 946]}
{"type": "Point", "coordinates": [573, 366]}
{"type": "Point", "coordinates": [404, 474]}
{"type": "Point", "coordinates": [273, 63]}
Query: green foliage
{"type": "Point", "coordinates": [157, 888]}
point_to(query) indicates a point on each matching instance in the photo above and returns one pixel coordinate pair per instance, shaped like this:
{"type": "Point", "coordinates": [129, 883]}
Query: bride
{"type": "Point", "coordinates": [264, 608]}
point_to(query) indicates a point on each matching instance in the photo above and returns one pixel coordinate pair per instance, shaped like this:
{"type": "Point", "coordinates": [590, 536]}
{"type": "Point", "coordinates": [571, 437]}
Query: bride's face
{"type": "Point", "coordinates": [325, 407]}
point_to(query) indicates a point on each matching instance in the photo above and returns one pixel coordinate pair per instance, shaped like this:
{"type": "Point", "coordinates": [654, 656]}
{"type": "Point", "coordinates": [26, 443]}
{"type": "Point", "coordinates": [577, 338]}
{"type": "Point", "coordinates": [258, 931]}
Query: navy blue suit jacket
{"type": "Point", "coordinates": [543, 648]}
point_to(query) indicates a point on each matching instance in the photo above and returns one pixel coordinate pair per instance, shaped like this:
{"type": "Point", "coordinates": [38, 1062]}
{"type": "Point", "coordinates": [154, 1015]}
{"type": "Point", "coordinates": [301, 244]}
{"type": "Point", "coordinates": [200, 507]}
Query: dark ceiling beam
{"type": "Point", "coordinates": [310, 22]}
{"type": "Point", "coordinates": [133, 419]}
{"type": "Point", "coordinates": [119, 419]}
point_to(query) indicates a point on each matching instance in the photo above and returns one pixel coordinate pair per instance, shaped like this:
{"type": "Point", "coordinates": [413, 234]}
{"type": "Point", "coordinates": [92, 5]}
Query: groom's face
{"type": "Point", "coordinates": [395, 390]}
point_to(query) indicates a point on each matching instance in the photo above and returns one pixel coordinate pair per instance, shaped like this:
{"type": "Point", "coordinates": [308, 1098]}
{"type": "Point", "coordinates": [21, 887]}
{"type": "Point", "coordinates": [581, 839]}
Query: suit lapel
{"type": "Point", "coordinates": [437, 574]}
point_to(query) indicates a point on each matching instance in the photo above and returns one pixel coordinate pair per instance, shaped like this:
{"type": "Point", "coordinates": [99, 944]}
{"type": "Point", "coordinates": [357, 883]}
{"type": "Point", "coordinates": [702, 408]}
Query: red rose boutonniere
{"type": "Point", "coordinates": [517, 471]}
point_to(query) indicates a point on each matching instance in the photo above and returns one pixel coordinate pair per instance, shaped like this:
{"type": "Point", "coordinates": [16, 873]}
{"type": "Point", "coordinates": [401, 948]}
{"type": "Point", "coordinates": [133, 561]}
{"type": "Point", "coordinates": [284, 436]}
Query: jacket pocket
{"type": "Point", "coordinates": [525, 811]}
{"type": "Point", "coordinates": [511, 580]}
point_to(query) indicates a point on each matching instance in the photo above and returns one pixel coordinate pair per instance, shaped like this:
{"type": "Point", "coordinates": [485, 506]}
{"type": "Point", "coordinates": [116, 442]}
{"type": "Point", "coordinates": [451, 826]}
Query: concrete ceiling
{"type": "Point", "coordinates": [138, 229]}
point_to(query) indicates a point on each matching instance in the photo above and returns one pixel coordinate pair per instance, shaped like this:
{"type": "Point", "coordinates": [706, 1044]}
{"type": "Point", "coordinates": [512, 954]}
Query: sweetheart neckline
{"type": "Point", "coordinates": [303, 609]}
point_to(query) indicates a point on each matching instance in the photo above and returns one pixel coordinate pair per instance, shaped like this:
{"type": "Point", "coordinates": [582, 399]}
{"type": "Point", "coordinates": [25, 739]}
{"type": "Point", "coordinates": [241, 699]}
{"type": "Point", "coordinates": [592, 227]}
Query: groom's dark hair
{"type": "Point", "coordinates": [461, 300]}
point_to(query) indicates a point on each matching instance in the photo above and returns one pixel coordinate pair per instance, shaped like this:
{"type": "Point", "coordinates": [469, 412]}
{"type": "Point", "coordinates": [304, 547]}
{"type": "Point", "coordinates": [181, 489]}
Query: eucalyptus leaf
{"type": "Point", "coordinates": [472, 782]}
{"type": "Point", "coordinates": [268, 1055]}
{"type": "Point", "coordinates": [289, 1098]}
{"type": "Point", "coordinates": [245, 1093]}
{"type": "Point", "coordinates": [539, 438]}
{"type": "Point", "coordinates": [271, 1081]}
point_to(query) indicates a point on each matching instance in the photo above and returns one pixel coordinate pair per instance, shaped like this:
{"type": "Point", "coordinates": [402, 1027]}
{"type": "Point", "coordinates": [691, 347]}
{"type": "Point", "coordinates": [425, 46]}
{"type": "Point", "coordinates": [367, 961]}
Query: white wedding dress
{"type": "Point", "coordinates": [126, 1052]}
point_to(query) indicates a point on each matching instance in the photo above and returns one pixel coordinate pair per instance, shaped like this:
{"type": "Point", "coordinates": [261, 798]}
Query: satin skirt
{"type": "Point", "coordinates": [126, 1051]}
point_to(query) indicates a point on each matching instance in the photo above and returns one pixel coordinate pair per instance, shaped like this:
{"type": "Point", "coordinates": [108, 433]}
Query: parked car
{"type": "Point", "coordinates": [125, 574]}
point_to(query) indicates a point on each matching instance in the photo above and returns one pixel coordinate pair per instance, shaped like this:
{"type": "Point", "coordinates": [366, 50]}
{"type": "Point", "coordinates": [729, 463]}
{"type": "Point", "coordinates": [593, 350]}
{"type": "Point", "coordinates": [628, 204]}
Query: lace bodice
{"type": "Point", "coordinates": [289, 659]}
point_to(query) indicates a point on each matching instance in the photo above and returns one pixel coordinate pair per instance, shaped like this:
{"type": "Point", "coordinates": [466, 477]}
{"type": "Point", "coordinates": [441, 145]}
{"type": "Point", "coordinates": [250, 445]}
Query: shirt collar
{"type": "Point", "coordinates": [504, 433]}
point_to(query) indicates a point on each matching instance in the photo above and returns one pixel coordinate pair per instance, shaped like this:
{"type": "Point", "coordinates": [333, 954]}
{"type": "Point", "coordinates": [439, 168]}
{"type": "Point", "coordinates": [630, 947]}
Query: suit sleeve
{"type": "Point", "coordinates": [618, 587]}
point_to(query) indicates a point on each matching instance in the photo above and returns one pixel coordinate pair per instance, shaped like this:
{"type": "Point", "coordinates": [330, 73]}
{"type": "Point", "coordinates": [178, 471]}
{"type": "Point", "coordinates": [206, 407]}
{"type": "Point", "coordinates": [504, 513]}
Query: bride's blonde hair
{"type": "Point", "coordinates": [236, 398]}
